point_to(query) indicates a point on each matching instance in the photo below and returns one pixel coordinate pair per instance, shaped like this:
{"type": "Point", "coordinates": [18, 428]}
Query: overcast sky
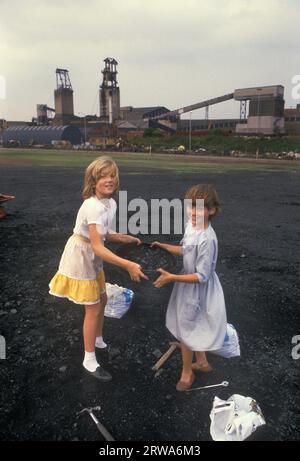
{"type": "Point", "coordinates": [170, 52]}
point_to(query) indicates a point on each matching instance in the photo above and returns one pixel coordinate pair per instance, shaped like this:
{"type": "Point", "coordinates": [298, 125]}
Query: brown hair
{"type": "Point", "coordinates": [206, 192]}
{"type": "Point", "coordinates": [93, 174]}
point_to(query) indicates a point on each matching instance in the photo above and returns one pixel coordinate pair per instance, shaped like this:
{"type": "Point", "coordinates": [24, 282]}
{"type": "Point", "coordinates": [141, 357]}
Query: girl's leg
{"type": "Point", "coordinates": [201, 358]}
{"type": "Point", "coordinates": [99, 335]}
{"type": "Point", "coordinates": [187, 375]}
{"type": "Point", "coordinates": [103, 301]}
{"type": "Point", "coordinates": [93, 316]}
{"type": "Point", "coordinates": [187, 356]}
{"type": "Point", "coordinates": [201, 363]}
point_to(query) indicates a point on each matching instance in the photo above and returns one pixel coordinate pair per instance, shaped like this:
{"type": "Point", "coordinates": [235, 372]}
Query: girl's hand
{"type": "Point", "coordinates": [156, 244]}
{"type": "Point", "coordinates": [135, 240]}
{"type": "Point", "coordinates": [135, 272]}
{"type": "Point", "coordinates": [4, 198]}
{"type": "Point", "coordinates": [163, 279]}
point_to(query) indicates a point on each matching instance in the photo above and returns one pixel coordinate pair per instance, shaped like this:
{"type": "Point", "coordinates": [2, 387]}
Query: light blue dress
{"type": "Point", "coordinates": [196, 312]}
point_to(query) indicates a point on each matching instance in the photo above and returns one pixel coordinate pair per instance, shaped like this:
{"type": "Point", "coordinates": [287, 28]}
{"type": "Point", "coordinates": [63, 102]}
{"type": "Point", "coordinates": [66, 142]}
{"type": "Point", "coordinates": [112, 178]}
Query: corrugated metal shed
{"type": "Point", "coordinates": [42, 134]}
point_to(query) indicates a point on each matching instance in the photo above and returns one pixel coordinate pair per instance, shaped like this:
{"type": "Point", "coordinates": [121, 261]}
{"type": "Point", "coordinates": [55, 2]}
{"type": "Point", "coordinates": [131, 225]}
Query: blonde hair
{"type": "Point", "coordinates": [93, 174]}
{"type": "Point", "coordinates": [208, 193]}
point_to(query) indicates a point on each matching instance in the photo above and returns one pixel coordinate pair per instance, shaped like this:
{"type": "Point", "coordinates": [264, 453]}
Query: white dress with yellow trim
{"type": "Point", "coordinates": [80, 277]}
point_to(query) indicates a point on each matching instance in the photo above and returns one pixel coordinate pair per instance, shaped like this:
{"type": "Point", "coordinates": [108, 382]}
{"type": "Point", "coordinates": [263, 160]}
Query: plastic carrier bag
{"type": "Point", "coordinates": [235, 419]}
{"type": "Point", "coordinates": [118, 301]}
{"type": "Point", "coordinates": [231, 346]}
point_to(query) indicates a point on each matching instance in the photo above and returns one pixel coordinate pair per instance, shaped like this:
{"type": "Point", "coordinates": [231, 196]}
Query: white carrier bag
{"type": "Point", "coordinates": [118, 301]}
{"type": "Point", "coordinates": [235, 419]}
{"type": "Point", "coordinates": [231, 346]}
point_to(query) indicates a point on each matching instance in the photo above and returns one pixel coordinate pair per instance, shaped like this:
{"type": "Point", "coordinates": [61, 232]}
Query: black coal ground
{"type": "Point", "coordinates": [150, 258]}
{"type": "Point", "coordinates": [42, 383]}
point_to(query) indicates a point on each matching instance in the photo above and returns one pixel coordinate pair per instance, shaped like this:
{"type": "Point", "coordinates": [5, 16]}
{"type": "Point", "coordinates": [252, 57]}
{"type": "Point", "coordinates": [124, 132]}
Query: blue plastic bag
{"type": "Point", "coordinates": [231, 346]}
{"type": "Point", "coordinates": [118, 301]}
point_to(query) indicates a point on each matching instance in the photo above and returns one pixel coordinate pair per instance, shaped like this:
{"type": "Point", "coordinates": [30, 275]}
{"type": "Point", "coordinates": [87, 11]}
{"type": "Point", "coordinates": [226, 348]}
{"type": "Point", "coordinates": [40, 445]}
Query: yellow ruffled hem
{"type": "Point", "coordinates": [78, 291]}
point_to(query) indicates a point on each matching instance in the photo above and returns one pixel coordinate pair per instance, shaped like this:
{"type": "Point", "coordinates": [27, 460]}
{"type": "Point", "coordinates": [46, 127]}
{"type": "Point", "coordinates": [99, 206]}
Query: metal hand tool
{"type": "Point", "coordinates": [224, 383]}
{"type": "Point", "coordinates": [100, 426]}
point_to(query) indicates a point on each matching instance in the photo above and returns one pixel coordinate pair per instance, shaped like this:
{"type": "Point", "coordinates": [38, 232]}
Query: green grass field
{"type": "Point", "coordinates": [216, 143]}
{"type": "Point", "coordinates": [138, 163]}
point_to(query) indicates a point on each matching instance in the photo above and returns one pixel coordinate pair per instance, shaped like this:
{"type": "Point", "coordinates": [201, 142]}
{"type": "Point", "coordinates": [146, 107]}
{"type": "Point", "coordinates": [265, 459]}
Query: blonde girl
{"type": "Point", "coordinates": [80, 277]}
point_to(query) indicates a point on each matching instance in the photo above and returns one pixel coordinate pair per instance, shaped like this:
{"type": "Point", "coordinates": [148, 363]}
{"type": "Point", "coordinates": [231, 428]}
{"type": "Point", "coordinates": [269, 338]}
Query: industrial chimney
{"type": "Point", "coordinates": [109, 92]}
{"type": "Point", "coordinates": [63, 98]}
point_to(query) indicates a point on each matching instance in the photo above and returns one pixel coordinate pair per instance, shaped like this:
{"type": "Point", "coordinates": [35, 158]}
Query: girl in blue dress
{"type": "Point", "coordinates": [196, 313]}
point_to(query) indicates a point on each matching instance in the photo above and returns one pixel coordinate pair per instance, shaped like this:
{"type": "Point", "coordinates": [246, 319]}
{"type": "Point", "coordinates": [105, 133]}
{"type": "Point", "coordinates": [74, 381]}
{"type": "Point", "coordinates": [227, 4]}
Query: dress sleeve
{"type": "Point", "coordinates": [205, 258]}
{"type": "Point", "coordinates": [93, 214]}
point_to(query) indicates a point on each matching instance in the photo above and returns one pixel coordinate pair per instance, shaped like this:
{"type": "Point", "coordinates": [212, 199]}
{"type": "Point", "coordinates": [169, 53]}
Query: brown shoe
{"type": "Point", "coordinates": [204, 367]}
{"type": "Point", "coordinates": [185, 385]}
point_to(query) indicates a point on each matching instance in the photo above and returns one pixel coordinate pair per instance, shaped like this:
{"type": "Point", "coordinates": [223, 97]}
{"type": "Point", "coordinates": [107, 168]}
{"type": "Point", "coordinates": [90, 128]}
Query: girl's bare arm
{"type": "Point", "coordinates": [109, 257]}
{"type": "Point", "coordinates": [167, 277]}
{"type": "Point", "coordinates": [175, 250]}
{"type": "Point", "coordinates": [113, 236]}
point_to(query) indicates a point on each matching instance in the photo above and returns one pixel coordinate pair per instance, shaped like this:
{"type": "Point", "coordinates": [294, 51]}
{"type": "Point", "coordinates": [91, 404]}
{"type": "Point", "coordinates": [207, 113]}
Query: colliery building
{"type": "Point", "coordinates": [202, 126]}
{"type": "Point", "coordinates": [45, 135]}
{"type": "Point", "coordinates": [139, 117]}
{"type": "Point", "coordinates": [292, 120]}
{"type": "Point", "coordinates": [261, 113]}
{"type": "Point", "coordinates": [266, 110]}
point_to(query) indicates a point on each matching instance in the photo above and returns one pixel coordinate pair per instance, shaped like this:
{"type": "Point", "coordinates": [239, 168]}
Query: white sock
{"type": "Point", "coordinates": [90, 361]}
{"type": "Point", "coordinates": [100, 343]}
